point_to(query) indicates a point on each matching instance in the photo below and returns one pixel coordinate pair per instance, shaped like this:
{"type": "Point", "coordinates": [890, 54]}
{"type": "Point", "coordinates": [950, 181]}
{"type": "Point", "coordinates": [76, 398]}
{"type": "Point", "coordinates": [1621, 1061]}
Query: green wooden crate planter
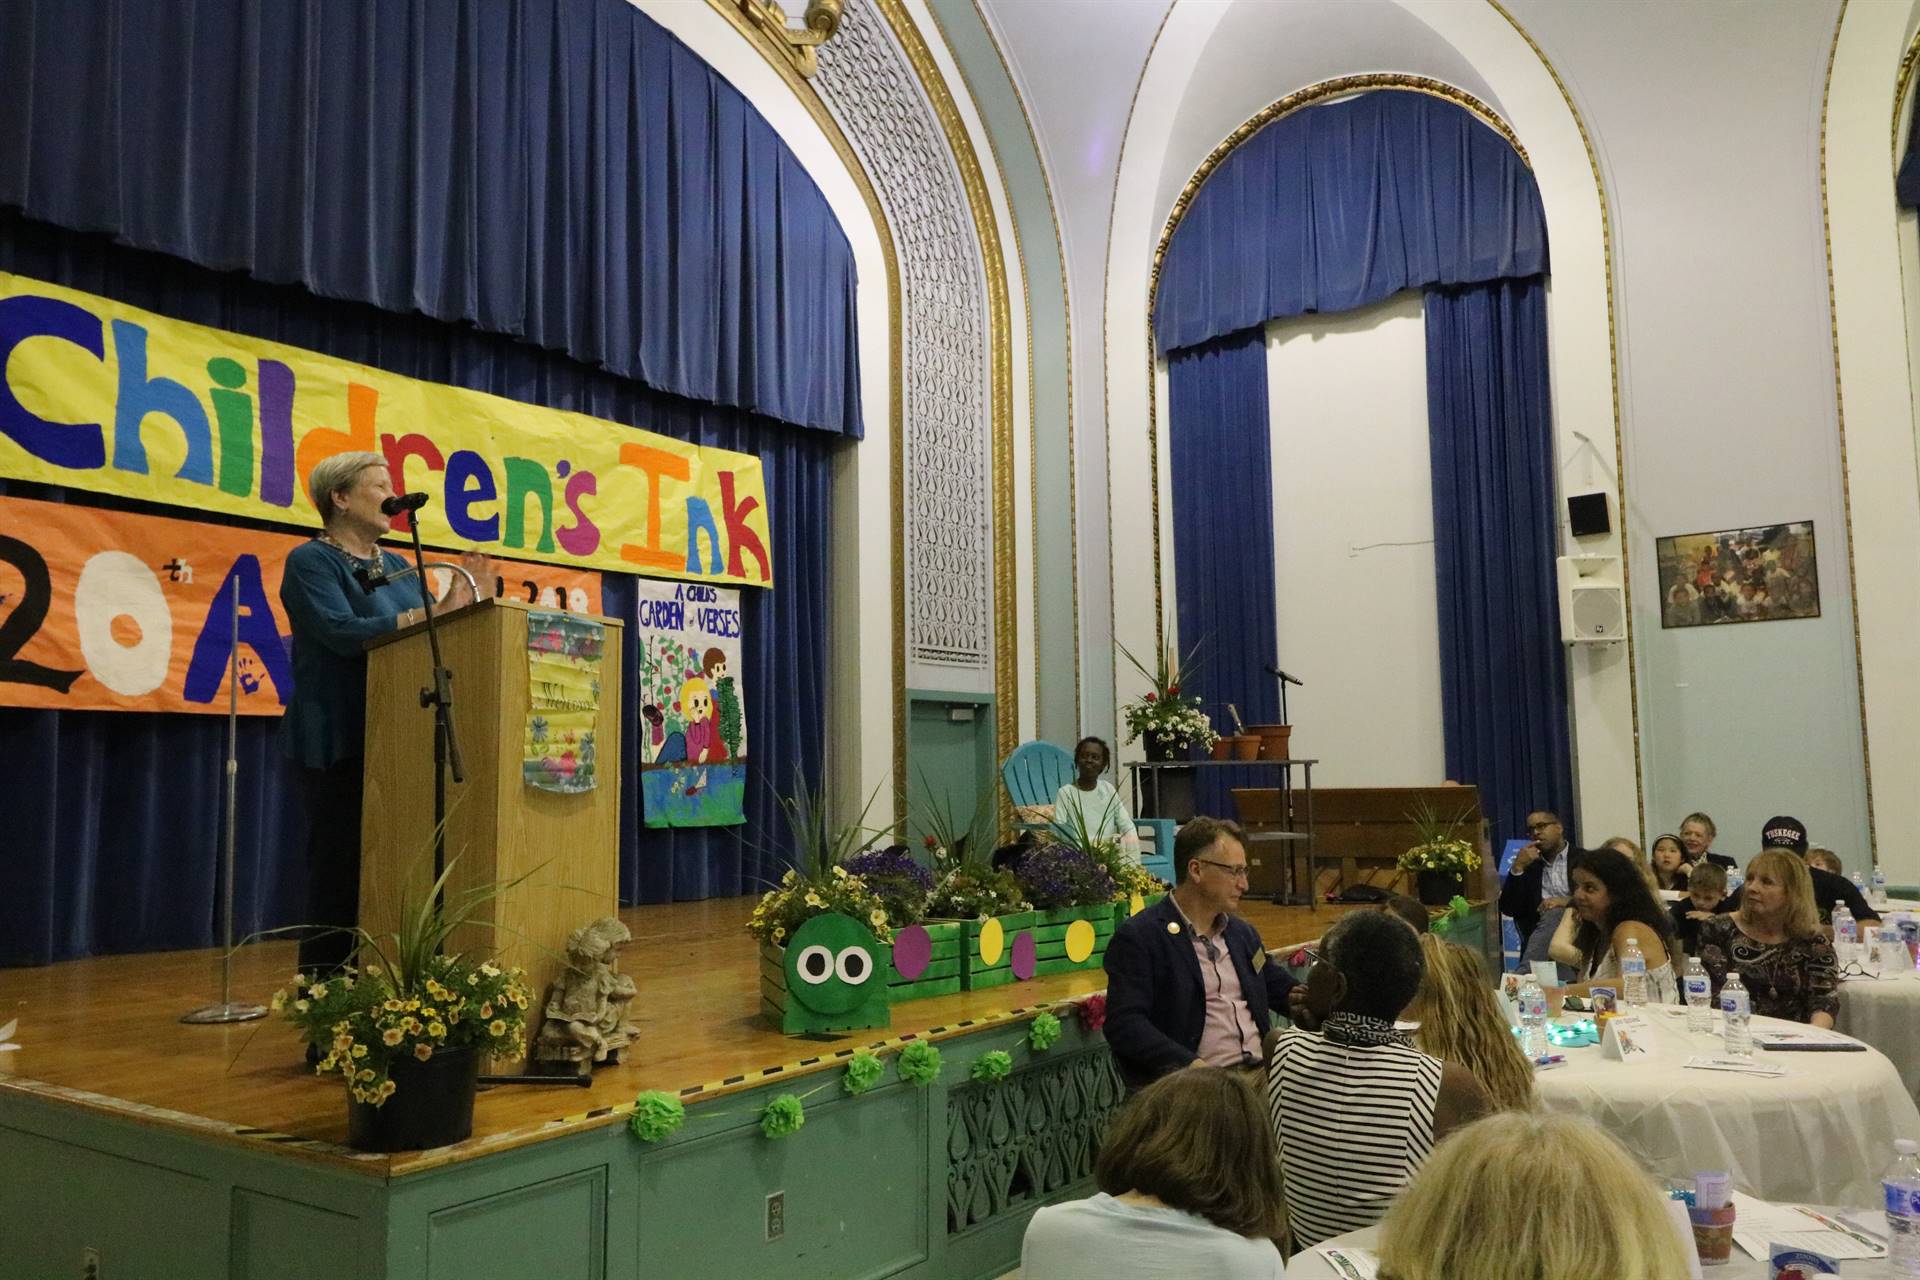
{"type": "Point", "coordinates": [778, 1007]}
{"type": "Point", "coordinates": [975, 973]}
{"type": "Point", "coordinates": [1122, 910]}
{"type": "Point", "coordinates": [942, 975]}
{"type": "Point", "coordinates": [1050, 937]}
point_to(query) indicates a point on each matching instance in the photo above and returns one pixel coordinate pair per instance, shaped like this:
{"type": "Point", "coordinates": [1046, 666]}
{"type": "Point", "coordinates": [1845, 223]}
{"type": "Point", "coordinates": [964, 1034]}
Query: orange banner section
{"type": "Point", "coordinates": [106, 611]}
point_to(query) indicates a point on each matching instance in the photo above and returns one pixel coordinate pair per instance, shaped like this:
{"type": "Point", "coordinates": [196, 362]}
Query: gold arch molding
{"type": "Point", "coordinates": [1006, 683]}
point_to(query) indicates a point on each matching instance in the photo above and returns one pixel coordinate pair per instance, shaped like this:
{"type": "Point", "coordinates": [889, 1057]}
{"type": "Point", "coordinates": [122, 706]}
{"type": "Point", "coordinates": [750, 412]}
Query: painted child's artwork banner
{"type": "Point", "coordinates": [563, 702]}
{"type": "Point", "coordinates": [693, 735]}
{"type": "Point", "coordinates": [108, 611]}
{"type": "Point", "coordinates": [109, 398]}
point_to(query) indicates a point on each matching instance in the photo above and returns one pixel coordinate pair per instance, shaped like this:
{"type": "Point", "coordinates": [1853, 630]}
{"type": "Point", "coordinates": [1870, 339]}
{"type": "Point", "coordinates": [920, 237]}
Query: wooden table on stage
{"type": "Point", "coordinates": [1287, 832]}
{"type": "Point", "coordinates": [1364, 830]}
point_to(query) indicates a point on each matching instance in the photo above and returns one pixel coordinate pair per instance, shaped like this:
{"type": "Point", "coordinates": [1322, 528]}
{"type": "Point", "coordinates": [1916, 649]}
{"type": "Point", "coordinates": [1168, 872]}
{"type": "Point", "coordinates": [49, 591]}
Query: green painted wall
{"type": "Point", "coordinates": [950, 757]}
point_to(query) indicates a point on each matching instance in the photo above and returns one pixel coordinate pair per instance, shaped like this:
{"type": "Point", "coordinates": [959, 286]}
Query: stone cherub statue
{"type": "Point", "coordinates": [587, 1004]}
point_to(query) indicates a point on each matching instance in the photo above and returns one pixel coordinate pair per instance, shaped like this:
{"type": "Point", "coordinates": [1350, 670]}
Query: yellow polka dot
{"type": "Point", "coordinates": [993, 942]}
{"type": "Point", "coordinates": [1080, 940]}
{"type": "Point", "coordinates": [1136, 904]}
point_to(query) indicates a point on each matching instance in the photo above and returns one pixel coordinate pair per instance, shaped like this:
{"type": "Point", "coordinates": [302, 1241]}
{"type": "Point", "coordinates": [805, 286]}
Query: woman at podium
{"type": "Point", "coordinates": [341, 590]}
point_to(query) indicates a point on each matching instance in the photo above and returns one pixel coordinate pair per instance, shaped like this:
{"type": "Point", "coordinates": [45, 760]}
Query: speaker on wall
{"type": "Point", "coordinates": [1593, 607]}
{"type": "Point", "coordinates": [1587, 514]}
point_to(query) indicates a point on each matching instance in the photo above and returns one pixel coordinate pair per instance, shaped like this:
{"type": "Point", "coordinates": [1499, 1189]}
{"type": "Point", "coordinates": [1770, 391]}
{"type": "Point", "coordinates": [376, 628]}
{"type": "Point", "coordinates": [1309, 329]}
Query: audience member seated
{"type": "Point", "coordinates": [1638, 857]}
{"type": "Point", "coordinates": [1356, 1106]}
{"type": "Point", "coordinates": [1696, 833]}
{"type": "Point", "coordinates": [1089, 807]}
{"type": "Point", "coordinates": [1826, 860]}
{"type": "Point", "coordinates": [1461, 1021]}
{"type": "Point", "coordinates": [1612, 905]}
{"type": "Point", "coordinates": [1706, 890]}
{"type": "Point", "coordinates": [1828, 888]}
{"type": "Point", "coordinates": [1671, 866]}
{"type": "Point", "coordinates": [1532, 1197]}
{"type": "Point", "coordinates": [1539, 881]}
{"type": "Point", "coordinates": [1775, 941]}
{"type": "Point", "coordinates": [1189, 1184]}
{"type": "Point", "coordinates": [1412, 910]}
{"type": "Point", "coordinates": [1188, 982]}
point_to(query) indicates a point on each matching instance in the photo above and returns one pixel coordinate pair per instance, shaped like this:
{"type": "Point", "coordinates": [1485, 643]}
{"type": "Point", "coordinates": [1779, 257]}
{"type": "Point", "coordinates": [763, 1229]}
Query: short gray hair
{"type": "Point", "coordinates": [335, 473]}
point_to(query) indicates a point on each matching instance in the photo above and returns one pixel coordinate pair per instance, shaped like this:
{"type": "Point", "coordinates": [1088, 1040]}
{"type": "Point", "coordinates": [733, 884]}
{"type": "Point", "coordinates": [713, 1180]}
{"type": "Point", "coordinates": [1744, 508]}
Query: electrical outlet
{"type": "Point", "coordinates": [776, 1215]}
{"type": "Point", "coordinates": [89, 1263]}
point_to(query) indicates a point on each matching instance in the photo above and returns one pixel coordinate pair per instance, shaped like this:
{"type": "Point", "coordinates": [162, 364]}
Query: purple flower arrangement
{"type": "Point", "coordinates": [899, 880]}
{"type": "Point", "coordinates": [1057, 875]}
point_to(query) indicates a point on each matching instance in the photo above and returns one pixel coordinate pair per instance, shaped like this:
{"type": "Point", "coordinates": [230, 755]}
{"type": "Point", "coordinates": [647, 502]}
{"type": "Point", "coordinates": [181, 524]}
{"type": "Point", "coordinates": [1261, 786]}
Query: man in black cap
{"type": "Point", "coordinates": [1828, 889]}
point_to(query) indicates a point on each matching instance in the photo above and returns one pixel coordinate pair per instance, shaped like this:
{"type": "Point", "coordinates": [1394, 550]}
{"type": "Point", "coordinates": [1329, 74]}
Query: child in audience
{"type": "Point", "coordinates": [1637, 857]}
{"type": "Point", "coordinates": [1706, 890]}
{"type": "Point", "coordinates": [1524, 1195]}
{"type": "Point", "coordinates": [1189, 1181]}
{"type": "Point", "coordinates": [1410, 909]}
{"type": "Point", "coordinates": [1671, 866]}
{"type": "Point", "coordinates": [1461, 1021]}
{"type": "Point", "coordinates": [1826, 859]}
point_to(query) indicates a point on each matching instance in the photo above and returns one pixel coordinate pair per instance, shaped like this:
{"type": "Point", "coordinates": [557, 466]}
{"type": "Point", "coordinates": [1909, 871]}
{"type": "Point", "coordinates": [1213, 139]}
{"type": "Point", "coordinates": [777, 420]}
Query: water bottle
{"type": "Point", "coordinates": [1860, 886]}
{"type": "Point", "coordinates": [1533, 1019]}
{"type": "Point", "coordinates": [1901, 1182]}
{"type": "Point", "coordinates": [1879, 898]}
{"type": "Point", "coordinates": [1699, 997]}
{"type": "Point", "coordinates": [1633, 975]}
{"type": "Point", "coordinates": [1736, 1009]}
{"type": "Point", "coordinates": [1845, 931]}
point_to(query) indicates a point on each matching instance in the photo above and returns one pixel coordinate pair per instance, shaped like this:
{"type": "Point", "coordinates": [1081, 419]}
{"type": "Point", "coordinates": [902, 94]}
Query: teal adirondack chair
{"type": "Point", "coordinates": [1037, 770]}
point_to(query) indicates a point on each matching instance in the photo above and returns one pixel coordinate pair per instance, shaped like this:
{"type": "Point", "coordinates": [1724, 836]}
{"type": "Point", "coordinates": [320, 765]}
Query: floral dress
{"type": "Point", "coordinates": [1794, 979]}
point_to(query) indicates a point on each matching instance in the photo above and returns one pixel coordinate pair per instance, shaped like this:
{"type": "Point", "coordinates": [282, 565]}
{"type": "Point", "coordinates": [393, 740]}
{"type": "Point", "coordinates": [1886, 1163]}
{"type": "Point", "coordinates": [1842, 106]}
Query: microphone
{"type": "Point", "coordinates": [1273, 670]}
{"type": "Point", "coordinates": [403, 502]}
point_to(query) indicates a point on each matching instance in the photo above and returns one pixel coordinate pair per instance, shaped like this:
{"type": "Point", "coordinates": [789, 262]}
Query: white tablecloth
{"type": "Point", "coordinates": [1311, 1266]}
{"type": "Point", "coordinates": [1885, 1012]}
{"type": "Point", "coordinates": [1821, 1134]}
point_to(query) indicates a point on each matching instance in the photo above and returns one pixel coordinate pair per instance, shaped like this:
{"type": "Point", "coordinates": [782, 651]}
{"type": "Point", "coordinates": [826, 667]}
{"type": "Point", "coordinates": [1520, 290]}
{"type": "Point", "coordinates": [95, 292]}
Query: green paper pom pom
{"type": "Point", "coordinates": [996, 1065]}
{"type": "Point", "coordinates": [782, 1116]}
{"type": "Point", "coordinates": [1459, 907]}
{"type": "Point", "coordinates": [863, 1071]}
{"type": "Point", "coordinates": [655, 1115]}
{"type": "Point", "coordinates": [919, 1063]}
{"type": "Point", "coordinates": [1044, 1031]}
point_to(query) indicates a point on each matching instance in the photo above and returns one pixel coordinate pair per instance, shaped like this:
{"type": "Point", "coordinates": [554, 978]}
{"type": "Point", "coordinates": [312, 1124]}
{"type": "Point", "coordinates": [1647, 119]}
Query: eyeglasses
{"type": "Point", "coordinates": [1854, 969]}
{"type": "Point", "coordinates": [1237, 872]}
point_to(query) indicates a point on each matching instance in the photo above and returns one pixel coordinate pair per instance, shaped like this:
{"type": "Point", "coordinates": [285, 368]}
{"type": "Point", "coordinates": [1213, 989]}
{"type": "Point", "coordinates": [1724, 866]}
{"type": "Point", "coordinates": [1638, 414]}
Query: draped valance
{"type": "Point", "coordinates": [562, 171]}
{"type": "Point", "coordinates": [1338, 206]}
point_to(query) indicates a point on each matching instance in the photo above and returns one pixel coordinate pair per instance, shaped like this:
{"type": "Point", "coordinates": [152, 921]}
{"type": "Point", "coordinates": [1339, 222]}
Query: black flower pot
{"type": "Point", "coordinates": [1161, 747]}
{"type": "Point", "coordinates": [431, 1105]}
{"type": "Point", "coordinates": [1438, 888]}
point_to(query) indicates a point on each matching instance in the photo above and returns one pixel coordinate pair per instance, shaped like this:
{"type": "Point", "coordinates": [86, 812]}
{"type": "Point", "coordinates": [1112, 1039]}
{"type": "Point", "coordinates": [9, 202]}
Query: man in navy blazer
{"type": "Point", "coordinates": [1188, 982]}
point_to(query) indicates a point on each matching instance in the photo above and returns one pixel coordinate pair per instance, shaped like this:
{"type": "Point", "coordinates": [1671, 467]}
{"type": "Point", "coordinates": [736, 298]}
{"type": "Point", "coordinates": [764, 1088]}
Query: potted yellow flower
{"type": "Point", "coordinates": [1441, 858]}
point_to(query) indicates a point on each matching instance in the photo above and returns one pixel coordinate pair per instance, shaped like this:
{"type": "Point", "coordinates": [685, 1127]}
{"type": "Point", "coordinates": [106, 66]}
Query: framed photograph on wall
{"type": "Point", "coordinates": [1739, 575]}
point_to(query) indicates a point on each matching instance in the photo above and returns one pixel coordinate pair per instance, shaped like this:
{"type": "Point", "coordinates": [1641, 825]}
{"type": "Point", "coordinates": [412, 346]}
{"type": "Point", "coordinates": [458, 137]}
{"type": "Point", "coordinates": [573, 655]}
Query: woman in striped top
{"type": "Point", "coordinates": [1355, 1106]}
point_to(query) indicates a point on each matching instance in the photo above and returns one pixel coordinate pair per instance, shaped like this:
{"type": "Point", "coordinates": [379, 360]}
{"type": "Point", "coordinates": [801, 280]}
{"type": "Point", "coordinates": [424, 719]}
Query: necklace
{"type": "Point", "coordinates": [371, 562]}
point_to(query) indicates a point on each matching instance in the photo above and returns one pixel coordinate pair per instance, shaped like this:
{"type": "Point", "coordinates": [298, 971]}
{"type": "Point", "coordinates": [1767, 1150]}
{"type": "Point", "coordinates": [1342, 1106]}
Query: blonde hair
{"type": "Point", "coordinates": [1200, 1141]}
{"type": "Point", "coordinates": [1525, 1195]}
{"type": "Point", "coordinates": [1821, 856]}
{"type": "Point", "coordinates": [336, 473]}
{"type": "Point", "coordinates": [1460, 1021]}
{"type": "Point", "coordinates": [1638, 857]}
{"type": "Point", "coordinates": [1802, 917]}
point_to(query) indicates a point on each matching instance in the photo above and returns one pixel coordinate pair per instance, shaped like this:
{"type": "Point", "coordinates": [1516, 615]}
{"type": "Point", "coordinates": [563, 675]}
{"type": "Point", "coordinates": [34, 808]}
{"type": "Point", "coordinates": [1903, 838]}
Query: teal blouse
{"type": "Point", "coordinates": [332, 619]}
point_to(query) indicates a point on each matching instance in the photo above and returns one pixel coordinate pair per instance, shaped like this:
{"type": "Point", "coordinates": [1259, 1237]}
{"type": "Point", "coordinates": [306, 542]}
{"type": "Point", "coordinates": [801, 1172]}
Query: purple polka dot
{"type": "Point", "coordinates": [1024, 958]}
{"type": "Point", "coordinates": [561, 468]}
{"type": "Point", "coordinates": [912, 952]}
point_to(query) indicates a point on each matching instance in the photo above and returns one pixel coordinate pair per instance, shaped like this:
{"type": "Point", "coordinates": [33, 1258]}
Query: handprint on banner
{"type": "Point", "coordinates": [178, 570]}
{"type": "Point", "coordinates": [249, 676]}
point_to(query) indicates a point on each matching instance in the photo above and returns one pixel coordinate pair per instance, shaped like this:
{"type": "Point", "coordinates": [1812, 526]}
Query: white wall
{"type": "Point", "coordinates": [1353, 543]}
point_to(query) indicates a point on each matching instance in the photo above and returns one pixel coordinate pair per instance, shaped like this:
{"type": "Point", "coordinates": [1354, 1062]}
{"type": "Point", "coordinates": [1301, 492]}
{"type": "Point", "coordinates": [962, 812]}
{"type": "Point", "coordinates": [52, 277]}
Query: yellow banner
{"type": "Point", "coordinates": [110, 611]}
{"type": "Point", "coordinates": [110, 398]}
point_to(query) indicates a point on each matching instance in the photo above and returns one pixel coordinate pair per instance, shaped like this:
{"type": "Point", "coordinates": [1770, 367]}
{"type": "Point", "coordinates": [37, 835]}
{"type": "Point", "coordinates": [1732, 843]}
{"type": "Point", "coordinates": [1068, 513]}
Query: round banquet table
{"type": "Point", "coordinates": [1885, 1013]}
{"type": "Point", "coordinates": [1311, 1266]}
{"type": "Point", "coordinates": [1820, 1134]}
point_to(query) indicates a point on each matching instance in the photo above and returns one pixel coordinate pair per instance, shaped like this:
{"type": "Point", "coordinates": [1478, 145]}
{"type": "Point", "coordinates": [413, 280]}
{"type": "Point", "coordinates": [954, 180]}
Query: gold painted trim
{"type": "Point", "coordinates": [1839, 402]}
{"type": "Point", "coordinates": [1066, 311]}
{"type": "Point", "coordinates": [821, 20]}
{"type": "Point", "coordinates": [1901, 84]}
{"type": "Point", "coordinates": [1006, 684]}
{"type": "Point", "coordinates": [809, 98]}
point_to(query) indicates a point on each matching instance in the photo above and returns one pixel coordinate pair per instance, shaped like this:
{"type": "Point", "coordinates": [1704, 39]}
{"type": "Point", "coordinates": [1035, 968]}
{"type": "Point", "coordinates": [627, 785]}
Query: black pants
{"type": "Point", "coordinates": [333, 797]}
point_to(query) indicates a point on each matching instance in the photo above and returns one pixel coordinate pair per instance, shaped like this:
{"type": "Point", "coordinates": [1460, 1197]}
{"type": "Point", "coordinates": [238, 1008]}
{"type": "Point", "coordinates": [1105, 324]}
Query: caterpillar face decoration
{"type": "Point", "coordinates": [836, 977]}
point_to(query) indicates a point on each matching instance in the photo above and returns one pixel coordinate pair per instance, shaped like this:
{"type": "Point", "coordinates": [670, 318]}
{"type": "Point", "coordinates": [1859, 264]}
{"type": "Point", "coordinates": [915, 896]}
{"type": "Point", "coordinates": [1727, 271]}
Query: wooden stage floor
{"type": "Point", "coordinates": [110, 1027]}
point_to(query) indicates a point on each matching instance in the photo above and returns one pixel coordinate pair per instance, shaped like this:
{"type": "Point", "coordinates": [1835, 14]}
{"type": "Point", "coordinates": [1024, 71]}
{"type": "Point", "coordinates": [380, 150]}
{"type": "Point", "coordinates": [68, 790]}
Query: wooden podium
{"type": "Point", "coordinates": [498, 827]}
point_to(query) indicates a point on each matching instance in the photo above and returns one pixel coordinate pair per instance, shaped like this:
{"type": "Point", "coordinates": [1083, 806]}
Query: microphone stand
{"type": "Point", "coordinates": [439, 696]}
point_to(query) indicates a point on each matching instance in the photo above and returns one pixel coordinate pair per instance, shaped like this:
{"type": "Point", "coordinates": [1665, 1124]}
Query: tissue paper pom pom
{"type": "Point", "coordinates": [1093, 1012]}
{"type": "Point", "coordinates": [992, 1066]}
{"type": "Point", "coordinates": [782, 1116]}
{"type": "Point", "coordinates": [1044, 1031]}
{"type": "Point", "coordinates": [919, 1063]}
{"type": "Point", "coordinates": [863, 1071]}
{"type": "Point", "coordinates": [655, 1115]}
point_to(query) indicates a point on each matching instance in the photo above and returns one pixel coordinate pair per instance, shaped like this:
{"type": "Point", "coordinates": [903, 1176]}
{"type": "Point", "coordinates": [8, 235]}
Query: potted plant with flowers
{"type": "Point", "coordinates": [980, 904]}
{"type": "Point", "coordinates": [1074, 896]}
{"type": "Point", "coordinates": [407, 1024]}
{"type": "Point", "coordinates": [1169, 723]}
{"type": "Point", "coordinates": [1135, 888]}
{"type": "Point", "coordinates": [1441, 859]}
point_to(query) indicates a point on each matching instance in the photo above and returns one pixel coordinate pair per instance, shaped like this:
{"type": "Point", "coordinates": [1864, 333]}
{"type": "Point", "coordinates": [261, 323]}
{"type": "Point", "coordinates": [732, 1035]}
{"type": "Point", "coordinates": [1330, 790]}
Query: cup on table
{"type": "Point", "coordinates": [1712, 1234]}
{"type": "Point", "coordinates": [1556, 1001]}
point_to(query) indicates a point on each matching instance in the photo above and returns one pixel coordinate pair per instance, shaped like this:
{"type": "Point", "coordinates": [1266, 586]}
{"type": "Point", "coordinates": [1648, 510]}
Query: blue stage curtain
{"type": "Point", "coordinates": [1906, 183]}
{"type": "Point", "coordinates": [114, 818]}
{"type": "Point", "coordinates": [1342, 205]}
{"type": "Point", "coordinates": [560, 171]}
{"type": "Point", "coordinates": [1503, 675]}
